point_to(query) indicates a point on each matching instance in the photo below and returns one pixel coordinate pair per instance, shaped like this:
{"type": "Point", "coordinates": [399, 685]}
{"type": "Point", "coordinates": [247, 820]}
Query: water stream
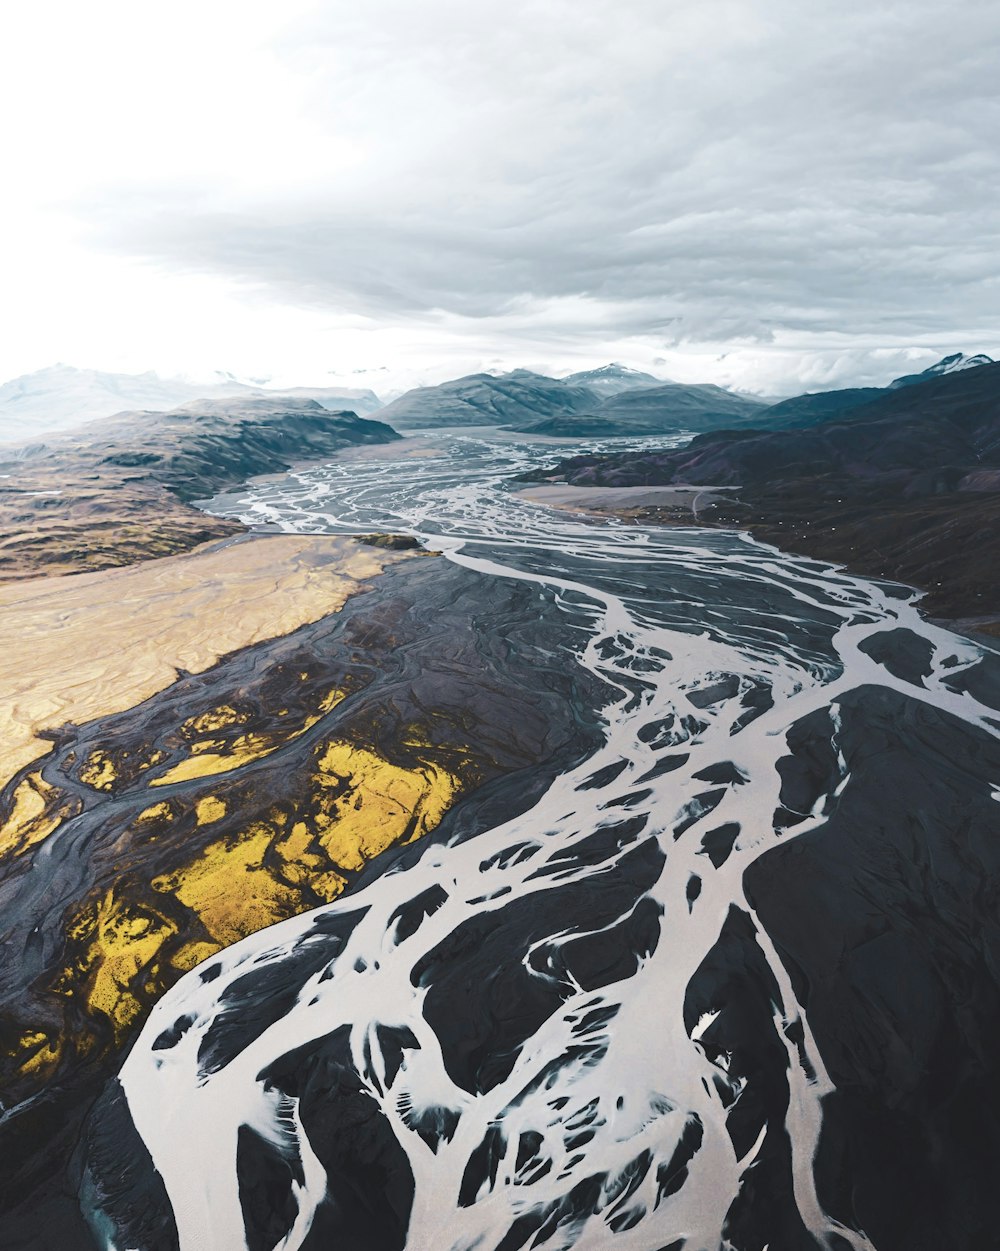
{"type": "Point", "coordinates": [610, 1124]}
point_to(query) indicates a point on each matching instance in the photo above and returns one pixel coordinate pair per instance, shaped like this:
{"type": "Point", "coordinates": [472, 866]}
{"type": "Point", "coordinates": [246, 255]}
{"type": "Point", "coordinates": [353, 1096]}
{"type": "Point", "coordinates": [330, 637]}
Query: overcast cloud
{"type": "Point", "coordinates": [760, 192]}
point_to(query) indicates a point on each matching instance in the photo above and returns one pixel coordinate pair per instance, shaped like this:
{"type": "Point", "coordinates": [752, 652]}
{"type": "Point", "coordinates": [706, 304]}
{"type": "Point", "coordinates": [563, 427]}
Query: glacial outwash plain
{"type": "Point", "coordinates": [538, 812]}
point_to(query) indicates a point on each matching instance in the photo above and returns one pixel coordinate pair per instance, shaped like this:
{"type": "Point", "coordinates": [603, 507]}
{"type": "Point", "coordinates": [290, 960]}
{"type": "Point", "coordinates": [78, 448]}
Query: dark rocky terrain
{"type": "Point", "coordinates": [118, 490]}
{"type": "Point", "coordinates": [806, 410]}
{"type": "Point", "coordinates": [905, 486]}
{"type": "Point", "coordinates": [334, 746]}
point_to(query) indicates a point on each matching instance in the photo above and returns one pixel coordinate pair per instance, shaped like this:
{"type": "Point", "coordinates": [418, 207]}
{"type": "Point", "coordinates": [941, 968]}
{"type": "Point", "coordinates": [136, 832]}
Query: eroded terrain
{"type": "Point", "coordinates": [235, 797]}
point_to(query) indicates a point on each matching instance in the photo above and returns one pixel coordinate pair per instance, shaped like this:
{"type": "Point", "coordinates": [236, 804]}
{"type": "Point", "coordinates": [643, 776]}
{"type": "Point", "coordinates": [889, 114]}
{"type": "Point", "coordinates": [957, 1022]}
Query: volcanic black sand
{"type": "Point", "coordinates": [782, 864]}
{"type": "Point", "coordinates": [241, 795]}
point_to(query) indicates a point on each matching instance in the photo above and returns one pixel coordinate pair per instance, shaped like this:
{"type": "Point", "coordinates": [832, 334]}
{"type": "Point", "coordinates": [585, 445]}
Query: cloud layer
{"type": "Point", "coordinates": [762, 179]}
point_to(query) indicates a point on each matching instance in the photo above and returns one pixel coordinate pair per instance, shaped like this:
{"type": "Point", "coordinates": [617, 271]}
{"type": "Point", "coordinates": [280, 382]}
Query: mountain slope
{"type": "Point", "coordinates": [116, 490]}
{"type": "Point", "coordinates": [62, 396]}
{"type": "Point", "coordinates": [675, 401]}
{"type": "Point", "coordinates": [806, 410]}
{"type": "Point", "coordinates": [955, 363]}
{"type": "Point", "coordinates": [906, 486]}
{"type": "Point", "coordinates": [486, 400]}
{"type": "Point", "coordinates": [666, 408]}
{"type": "Point", "coordinates": [817, 406]}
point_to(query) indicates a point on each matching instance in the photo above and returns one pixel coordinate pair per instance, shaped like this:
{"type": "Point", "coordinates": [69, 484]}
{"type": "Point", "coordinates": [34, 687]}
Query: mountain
{"type": "Point", "coordinates": [359, 400]}
{"type": "Point", "coordinates": [488, 400]}
{"type": "Point", "coordinates": [947, 365]}
{"type": "Point", "coordinates": [817, 406]}
{"type": "Point", "coordinates": [665, 408]}
{"type": "Point", "coordinates": [117, 490]}
{"type": "Point", "coordinates": [613, 379]}
{"type": "Point", "coordinates": [63, 396]}
{"type": "Point", "coordinates": [677, 403]}
{"type": "Point", "coordinates": [806, 410]}
{"type": "Point", "coordinates": [906, 486]}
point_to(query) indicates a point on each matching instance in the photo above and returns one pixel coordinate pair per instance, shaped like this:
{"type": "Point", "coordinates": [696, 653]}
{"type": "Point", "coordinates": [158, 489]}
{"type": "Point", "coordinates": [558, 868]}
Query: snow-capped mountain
{"type": "Point", "coordinates": [613, 379]}
{"type": "Point", "coordinates": [947, 365]}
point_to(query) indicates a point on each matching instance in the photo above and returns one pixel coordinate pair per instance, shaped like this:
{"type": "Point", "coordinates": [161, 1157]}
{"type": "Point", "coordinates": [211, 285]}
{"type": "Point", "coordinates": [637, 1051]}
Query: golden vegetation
{"type": "Point", "coordinates": [125, 947]}
{"type": "Point", "coordinates": [36, 811]}
{"type": "Point", "coordinates": [212, 756]}
{"type": "Point", "coordinates": [103, 642]}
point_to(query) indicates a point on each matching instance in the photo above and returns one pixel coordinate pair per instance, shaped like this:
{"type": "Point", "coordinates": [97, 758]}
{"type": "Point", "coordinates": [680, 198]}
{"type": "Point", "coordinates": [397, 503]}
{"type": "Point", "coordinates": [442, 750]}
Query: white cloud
{"type": "Point", "coordinates": [808, 191]}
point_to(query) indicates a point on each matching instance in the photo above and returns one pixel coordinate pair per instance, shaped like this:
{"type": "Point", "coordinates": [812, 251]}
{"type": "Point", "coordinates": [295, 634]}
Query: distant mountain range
{"type": "Point", "coordinates": [63, 396]}
{"type": "Point", "coordinates": [612, 400]}
{"type": "Point", "coordinates": [609, 401]}
{"type": "Point", "coordinates": [487, 400]}
{"type": "Point", "coordinates": [617, 401]}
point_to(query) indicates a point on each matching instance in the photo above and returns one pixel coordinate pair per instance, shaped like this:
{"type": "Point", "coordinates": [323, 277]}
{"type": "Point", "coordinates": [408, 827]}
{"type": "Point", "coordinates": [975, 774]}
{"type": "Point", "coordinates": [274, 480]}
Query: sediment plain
{"type": "Point", "coordinates": [200, 742]}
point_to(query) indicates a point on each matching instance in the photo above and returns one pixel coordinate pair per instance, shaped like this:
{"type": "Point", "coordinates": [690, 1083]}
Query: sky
{"type": "Point", "coordinates": [765, 194]}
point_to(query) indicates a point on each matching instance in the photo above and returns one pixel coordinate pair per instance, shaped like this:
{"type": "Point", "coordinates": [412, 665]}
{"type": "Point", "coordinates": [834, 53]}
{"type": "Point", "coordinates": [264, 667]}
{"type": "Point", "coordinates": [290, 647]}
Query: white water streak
{"type": "Point", "coordinates": [654, 1079]}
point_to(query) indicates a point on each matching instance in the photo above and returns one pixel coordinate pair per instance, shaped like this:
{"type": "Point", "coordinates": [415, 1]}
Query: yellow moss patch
{"type": "Point", "coordinates": [364, 805]}
{"type": "Point", "coordinates": [35, 814]}
{"type": "Point", "coordinates": [99, 771]}
{"type": "Point", "coordinates": [216, 719]}
{"type": "Point", "coordinates": [229, 889]}
{"type": "Point", "coordinates": [128, 948]}
{"type": "Point", "coordinates": [206, 763]}
{"type": "Point", "coordinates": [156, 812]}
{"type": "Point", "coordinates": [209, 809]}
{"type": "Point", "coordinates": [36, 1054]}
{"type": "Point", "coordinates": [211, 757]}
{"type": "Point", "coordinates": [371, 804]}
{"type": "Point", "coordinates": [192, 954]}
{"type": "Point", "coordinates": [124, 941]}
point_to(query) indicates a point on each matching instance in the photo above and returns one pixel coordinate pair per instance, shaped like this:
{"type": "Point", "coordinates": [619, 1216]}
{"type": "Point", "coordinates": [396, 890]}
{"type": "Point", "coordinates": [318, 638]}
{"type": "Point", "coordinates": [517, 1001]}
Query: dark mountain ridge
{"type": "Point", "coordinates": [955, 363]}
{"type": "Point", "coordinates": [905, 486]}
{"type": "Point", "coordinates": [816, 406]}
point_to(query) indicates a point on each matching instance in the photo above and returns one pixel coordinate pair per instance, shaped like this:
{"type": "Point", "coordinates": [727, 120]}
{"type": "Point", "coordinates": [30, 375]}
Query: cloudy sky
{"type": "Point", "coordinates": [763, 193]}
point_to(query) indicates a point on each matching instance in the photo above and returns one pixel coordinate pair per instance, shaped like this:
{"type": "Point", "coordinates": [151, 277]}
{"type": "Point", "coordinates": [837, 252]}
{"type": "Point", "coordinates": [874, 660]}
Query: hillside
{"type": "Point", "coordinates": [817, 406]}
{"type": "Point", "coordinates": [906, 486]}
{"type": "Point", "coordinates": [486, 400]}
{"type": "Point", "coordinates": [116, 491]}
{"type": "Point", "coordinates": [666, 408]}
{"type": "Point", "coordinates": [62, 396]}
